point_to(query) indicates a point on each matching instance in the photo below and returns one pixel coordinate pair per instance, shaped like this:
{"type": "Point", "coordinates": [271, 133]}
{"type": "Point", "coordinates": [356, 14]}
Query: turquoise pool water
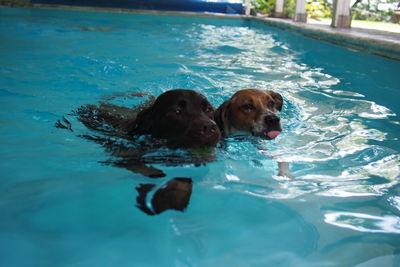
{"type": "Point", "coordinates": [60, 206]}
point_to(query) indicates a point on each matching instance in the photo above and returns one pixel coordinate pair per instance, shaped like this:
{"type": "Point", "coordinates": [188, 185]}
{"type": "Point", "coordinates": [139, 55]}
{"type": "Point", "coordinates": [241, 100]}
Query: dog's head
{"type": "Point", "coordinates": [183, 117]}
{"type": "Point", "coordinates": [251, 111]}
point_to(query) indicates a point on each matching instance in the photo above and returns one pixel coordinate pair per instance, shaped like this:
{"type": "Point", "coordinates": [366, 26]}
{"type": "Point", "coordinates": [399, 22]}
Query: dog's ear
{"type": "Point", "coordinates": [278, 100]}
{"type": "Point", "coordinates": [220, 116]}
{"type": "Point", "coordinates": [143, 122]}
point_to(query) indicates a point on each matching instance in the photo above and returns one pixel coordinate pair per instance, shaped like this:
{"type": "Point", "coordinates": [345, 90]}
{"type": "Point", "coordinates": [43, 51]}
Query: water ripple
{"type": "Point", "coordinates": [330, 134]}
{"type": "Point", "coordinates": [364, 222]}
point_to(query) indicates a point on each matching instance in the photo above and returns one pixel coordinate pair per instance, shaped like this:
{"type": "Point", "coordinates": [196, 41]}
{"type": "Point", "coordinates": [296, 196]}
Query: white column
{"type": "Point", "coordinates": [341, 14]}
{"type": "Point", "coordinates": [248, 8]}
{"type": "Point", "coordinates": [300, 14]}
{"type": "Point", "coordinates": [279, 8]}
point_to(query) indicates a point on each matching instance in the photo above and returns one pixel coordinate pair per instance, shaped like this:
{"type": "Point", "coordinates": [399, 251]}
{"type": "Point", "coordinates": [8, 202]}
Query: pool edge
{"type": "Point", "coordinates": [347, 38]}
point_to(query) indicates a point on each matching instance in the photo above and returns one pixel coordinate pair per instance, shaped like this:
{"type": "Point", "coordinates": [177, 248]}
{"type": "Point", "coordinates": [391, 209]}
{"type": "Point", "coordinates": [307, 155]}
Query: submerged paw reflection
{"type": "Point", "coordinates": [174, 195]}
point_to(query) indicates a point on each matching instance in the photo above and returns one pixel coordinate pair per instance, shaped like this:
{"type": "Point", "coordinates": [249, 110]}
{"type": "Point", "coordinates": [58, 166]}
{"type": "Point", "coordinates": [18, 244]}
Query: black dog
{"type": "Point", "coordinates": [176, 119]}
{"type": "Point", "coordinates": [183, 118]}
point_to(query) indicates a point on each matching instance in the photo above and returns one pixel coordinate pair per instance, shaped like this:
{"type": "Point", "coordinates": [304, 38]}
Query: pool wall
{"type": "Point", "coordinates": [170, 5]}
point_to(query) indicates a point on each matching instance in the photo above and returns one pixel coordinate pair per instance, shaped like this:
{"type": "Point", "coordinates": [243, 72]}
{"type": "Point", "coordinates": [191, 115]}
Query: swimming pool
{"type": "Point", "coordinates": [61, 206]}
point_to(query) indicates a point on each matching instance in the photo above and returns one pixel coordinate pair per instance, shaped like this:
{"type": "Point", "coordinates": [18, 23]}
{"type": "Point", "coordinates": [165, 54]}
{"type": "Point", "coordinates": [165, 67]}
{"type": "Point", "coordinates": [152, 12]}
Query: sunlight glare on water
{"type": "Point", "coordinates": [321, 124]}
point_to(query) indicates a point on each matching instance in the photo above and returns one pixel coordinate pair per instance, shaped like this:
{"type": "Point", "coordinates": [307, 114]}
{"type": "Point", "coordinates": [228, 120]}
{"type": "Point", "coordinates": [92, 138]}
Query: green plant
{"type": "Point", "coordinates": [268, 6]}
{"type": "Point", "coordinates": [319, 8]}
{"type": "Point", "coordinates": [289, 8]}
{"type": "Point", "coordinates": [370, 10]}
{"type": "Point", "coordinates": [264, 6]}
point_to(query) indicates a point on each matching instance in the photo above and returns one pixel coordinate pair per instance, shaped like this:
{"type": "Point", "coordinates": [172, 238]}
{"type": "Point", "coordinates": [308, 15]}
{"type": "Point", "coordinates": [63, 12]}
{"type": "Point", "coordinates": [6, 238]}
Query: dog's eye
{"type": "Point", "coordinates": [271, 104]}
{"type": "Point", "coordinates": [248, 107]}
{"type": "Point", "coordinates": [206, 107]}
{"type": "Point", "coordinates": [178, 111]}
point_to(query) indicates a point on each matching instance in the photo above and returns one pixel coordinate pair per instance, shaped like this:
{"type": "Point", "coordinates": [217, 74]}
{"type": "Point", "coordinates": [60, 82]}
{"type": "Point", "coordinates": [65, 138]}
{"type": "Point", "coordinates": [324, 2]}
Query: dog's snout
{"type": "Point", "coordinates": [204, 132]}
{"type": "Point", "coordinates": [209, 128]}
{"type": "Point", "coordinates": [270, 119]}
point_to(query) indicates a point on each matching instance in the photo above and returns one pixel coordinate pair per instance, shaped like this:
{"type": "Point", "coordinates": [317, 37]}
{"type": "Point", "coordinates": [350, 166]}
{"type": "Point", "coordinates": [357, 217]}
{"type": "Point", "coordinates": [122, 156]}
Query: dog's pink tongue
{"type": "Point", "coordinates": [273, 134]}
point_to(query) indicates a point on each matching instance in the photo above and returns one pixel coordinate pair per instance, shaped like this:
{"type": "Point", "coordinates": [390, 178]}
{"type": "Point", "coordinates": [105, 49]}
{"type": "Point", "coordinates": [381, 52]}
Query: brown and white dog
{"type": "Point", "coordinates": [250, 111]}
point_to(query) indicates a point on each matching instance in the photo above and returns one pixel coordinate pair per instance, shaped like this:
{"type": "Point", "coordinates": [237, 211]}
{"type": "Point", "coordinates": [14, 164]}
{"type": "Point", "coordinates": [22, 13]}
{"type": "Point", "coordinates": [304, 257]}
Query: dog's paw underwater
{"type": "Point", "coordinates": [174, 195]}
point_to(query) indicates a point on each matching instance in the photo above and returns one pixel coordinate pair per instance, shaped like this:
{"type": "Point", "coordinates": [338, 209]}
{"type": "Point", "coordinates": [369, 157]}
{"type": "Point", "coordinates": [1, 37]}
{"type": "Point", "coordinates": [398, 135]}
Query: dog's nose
{"type": "Point", "coordinates": [271, 119]}
{"type": "Point", "coordinates": [209, 128]}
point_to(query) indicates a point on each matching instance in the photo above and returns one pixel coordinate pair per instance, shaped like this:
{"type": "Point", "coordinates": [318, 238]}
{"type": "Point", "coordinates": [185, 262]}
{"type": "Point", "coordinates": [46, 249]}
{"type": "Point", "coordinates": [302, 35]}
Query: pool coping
{"type": "Point", "coordinates": [374, 42]}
